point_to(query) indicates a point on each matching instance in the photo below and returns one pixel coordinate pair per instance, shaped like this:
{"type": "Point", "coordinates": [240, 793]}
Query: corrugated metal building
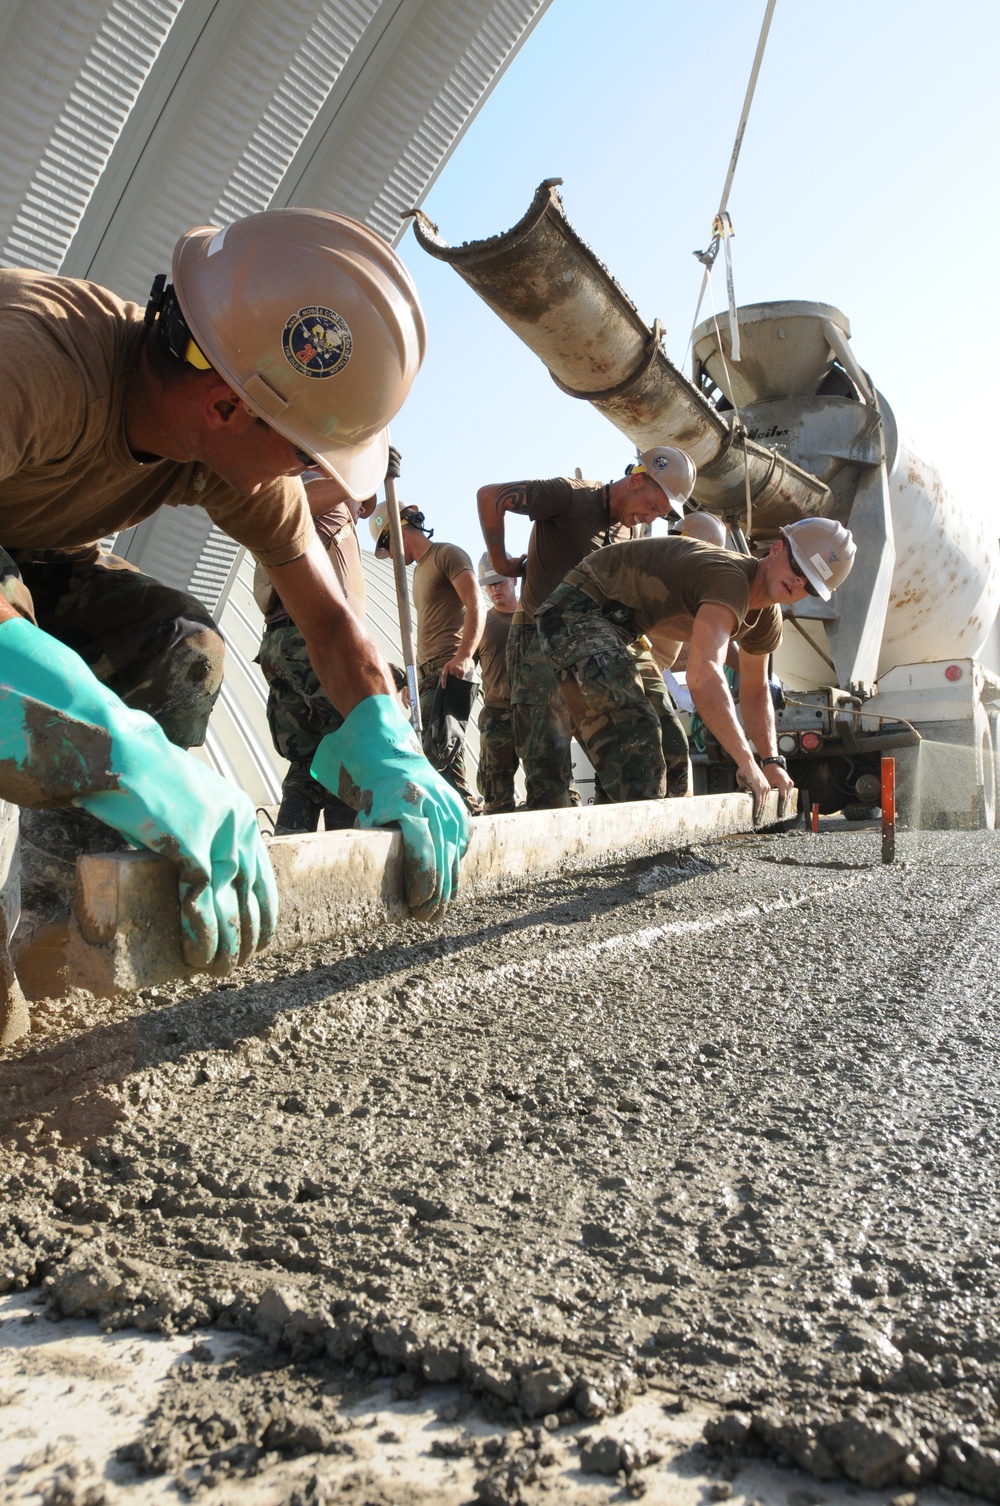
{"type": "Point", "coordinates": [125, 122]}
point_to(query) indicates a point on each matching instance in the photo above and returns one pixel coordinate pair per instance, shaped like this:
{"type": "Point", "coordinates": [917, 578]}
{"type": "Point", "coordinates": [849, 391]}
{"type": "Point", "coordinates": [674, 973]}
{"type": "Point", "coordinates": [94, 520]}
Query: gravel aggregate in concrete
{"type": "Point", "coordinates": [721, 1123]}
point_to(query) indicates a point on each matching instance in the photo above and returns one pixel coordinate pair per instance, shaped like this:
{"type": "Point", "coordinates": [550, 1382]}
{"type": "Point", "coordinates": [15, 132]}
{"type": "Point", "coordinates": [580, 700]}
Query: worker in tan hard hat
{"type": "Point", "coordinates": [450, 618]}
{"type": "Point", "coordinates": [288, 339]}
{"type": "Point", "coordinates": [497, 754]}
{"type": "Point", "coordinates": [571, 519]}
{"type": "Point", "coordinates": [697, 594]}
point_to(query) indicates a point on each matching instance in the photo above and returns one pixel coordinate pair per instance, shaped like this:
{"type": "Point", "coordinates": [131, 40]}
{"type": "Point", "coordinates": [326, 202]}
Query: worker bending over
{"type": "Point", "coordinates": [287, 340]}
{"type": "Point", "coordinates": [497, 754]}
{"type": "Point", "coordinates": [299, 712]}
{"type": "Point", "coordinates": [450, 619]}
{"type": "Point", "coordinates": [695, 593]}
{"type": "Point", "coordinates": [571, 519]}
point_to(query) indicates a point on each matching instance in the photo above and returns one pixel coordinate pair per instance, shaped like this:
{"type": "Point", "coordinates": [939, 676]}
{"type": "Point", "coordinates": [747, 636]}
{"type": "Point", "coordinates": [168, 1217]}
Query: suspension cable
{"type": "Point", "coordinates": [707, 258]}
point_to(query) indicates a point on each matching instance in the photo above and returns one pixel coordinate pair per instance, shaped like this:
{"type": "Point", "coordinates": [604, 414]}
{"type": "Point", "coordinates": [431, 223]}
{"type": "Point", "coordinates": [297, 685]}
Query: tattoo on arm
{"type": "Point", "coordinates": [512, 498]}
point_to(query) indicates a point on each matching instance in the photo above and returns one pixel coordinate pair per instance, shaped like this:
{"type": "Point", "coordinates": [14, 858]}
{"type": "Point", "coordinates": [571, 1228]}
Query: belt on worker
{"type": "Point", "coordinates": [583, 583]}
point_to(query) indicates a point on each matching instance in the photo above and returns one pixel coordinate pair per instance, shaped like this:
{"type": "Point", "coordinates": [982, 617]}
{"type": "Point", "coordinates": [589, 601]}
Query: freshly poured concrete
{"type": "Point", "coordinates": [715, 1131]}
{"type": "Point", "coordinates": [126, 924]}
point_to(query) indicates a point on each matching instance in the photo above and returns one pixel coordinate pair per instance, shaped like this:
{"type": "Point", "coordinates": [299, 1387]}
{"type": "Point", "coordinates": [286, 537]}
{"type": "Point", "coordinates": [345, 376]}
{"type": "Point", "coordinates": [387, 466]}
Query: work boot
{"type": "Point", "coordinates": [338, 815]}
{"type": "Point", "coordinates": [296, 813]}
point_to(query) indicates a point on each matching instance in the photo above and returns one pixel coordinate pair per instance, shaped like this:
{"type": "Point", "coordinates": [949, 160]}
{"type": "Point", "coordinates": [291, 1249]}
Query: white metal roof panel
{"type": "Point", "coordinates": [125, 122]}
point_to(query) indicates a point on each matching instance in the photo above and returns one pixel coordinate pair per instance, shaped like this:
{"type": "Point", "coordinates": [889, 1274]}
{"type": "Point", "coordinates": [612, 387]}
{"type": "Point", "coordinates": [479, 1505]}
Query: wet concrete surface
{"type": "Point", "coordinates": [720, 1127]}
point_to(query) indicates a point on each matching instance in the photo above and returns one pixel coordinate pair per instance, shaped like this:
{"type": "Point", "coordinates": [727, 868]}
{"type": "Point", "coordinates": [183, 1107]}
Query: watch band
{"type": "Point", "coordinates": [779, 760]}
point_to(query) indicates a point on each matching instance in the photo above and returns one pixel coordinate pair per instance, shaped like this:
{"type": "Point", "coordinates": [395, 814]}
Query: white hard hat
{"type": "Point", "coordinates": [673, 470]}
{"type": "Point", "coordinates": [822, 551]}
{"type": "Point", "coordinates": [487, 575]}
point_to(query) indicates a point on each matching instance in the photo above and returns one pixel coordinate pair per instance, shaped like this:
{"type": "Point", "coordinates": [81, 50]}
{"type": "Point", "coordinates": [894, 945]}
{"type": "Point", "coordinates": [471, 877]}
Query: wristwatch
{"type": "Point", "coordinates": [779, 759]}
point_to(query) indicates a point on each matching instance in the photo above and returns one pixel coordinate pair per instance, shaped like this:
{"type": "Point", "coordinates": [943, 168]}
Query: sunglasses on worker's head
{"type": "Point", "coordinates": [810, 588]}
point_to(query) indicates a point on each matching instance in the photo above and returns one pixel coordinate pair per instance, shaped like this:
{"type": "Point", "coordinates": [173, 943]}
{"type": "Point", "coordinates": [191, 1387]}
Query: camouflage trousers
{"type": "Point", "coordinates": [542, 729]}
{"type": "Point", "coordinates": [453, 769]}
{"type": "Point", "coordinates": [299, 714]}
{"type": "Point", "coordinates": [156, 648]}
{"type": "Point", "coordinates": [497, 759]}
{"type": "Point", "coordinates": [620, 707]}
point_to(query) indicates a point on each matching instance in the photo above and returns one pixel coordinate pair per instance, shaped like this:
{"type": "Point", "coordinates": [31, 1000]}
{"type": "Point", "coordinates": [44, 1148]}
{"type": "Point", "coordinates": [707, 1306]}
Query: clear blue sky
{"type": "Point", "coordinates": [867, 180]}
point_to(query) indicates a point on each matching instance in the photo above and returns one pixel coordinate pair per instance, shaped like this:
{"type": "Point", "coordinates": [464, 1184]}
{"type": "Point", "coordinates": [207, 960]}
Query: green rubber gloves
{"type": "Point", "coordinates": [65, 739]}
{"type": "Point", "coordinates": [375, 763]}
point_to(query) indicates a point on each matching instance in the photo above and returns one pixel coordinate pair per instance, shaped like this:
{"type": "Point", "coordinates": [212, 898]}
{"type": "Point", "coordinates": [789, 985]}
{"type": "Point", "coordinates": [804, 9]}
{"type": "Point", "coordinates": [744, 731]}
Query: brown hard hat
{"type": "Point", "coordinates": [314, 321]}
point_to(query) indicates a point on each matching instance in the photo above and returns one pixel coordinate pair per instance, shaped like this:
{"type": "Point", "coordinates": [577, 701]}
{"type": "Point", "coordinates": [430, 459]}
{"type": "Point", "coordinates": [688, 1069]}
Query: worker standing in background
{"type": "Point", "coordinates": [218, 398]}
{"type": "Point", "coordinates": [299, 712]}
{"type": "Point", "coordinates": [700, 595]}
{"type": "Point", "coordinates": [450, 619]}
{"type": "Point", "coordinates": [571, 519]}
{"type": "Point", "coordinates": [497, 754]}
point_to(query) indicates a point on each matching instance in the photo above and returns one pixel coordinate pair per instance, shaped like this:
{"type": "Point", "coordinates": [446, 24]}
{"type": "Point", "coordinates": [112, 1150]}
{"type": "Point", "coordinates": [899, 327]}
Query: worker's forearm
{"type": "Point", "coordinates": [758, 718]}
{"type": "Point", "coordinates": [472, 632]}
{"type": "Point", "coordinates": [714, 704]}
{"type": "Point", "coordinates": [349, 666]}
{"type": "Point", "coordinates": [491, 522]}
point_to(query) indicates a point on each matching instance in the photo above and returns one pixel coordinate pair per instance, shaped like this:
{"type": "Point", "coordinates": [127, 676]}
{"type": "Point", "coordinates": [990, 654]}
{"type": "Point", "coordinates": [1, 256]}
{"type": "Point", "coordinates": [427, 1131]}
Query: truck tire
{"type": "Point", "coordinates": [859, 812]}
{"type": "Point", "coordinates": [987, 762]}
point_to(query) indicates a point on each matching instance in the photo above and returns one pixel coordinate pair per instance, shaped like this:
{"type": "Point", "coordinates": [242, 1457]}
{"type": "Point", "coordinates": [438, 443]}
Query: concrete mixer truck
{"type": "Point", "coordinates": [904, 659]}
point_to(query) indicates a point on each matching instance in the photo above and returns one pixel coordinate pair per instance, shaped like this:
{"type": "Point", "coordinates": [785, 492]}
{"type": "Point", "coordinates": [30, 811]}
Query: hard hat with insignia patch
{"type": "Point", "coordinates": [314, 321]}
{"type": "Point", "coordinates": [378, 525]}
{"type": "Point", "coordinates": [673, 470]}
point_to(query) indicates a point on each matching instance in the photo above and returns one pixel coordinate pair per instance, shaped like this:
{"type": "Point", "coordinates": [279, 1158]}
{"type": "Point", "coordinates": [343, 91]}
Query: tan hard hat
{"type": "Point", "coordinates": [378, 525]}
{"type": "Point", "coordinates": [673, 470]}
{"type": "Point", "coordinates": [706, 527]}
{"type": "Point", "coordinates": [313, 319]}
{"type": "Point", "coordinates": [822, 550]}
{"type": "Point", "coordinates": [487, 575]}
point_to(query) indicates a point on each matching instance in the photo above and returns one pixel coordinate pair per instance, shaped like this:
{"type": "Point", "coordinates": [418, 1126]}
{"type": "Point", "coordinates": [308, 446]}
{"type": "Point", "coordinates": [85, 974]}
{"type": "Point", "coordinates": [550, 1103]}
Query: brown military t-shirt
{"type": "Point", "coordinates": [67, 475]}
{"type": "Point", "coordinates": [493, 657]}
{"type": "Point", "coordinates": [339, 537]}
{"type": "Point", "coordinates": [440, 613]}
{"type": "Point", "coordinates": [572, 519]}
{"type": "Point", "coordinates": [665, 581]}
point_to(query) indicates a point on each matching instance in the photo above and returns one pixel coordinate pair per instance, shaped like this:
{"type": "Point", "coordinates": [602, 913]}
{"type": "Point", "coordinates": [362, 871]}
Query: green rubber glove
{"type": "Point", "coordinates": [375, 763]}
{"type": "Point", "coordinates": [65, 739]}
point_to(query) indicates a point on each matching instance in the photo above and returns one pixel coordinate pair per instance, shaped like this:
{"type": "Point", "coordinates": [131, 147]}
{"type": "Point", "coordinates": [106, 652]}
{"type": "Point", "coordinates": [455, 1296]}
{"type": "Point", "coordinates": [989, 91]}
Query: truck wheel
{"type": "Point", "coordinates": [988, 765]}
{"type": "Point", "coordinates": [859, 812]}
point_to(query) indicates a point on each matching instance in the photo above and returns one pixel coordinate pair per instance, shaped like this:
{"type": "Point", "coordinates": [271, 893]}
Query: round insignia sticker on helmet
{"type": "Point", "coordinates": [316, 342]}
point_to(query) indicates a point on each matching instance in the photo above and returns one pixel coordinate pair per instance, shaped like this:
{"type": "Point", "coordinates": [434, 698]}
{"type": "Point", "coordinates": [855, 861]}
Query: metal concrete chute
{"type": "Point", "coordinates": [547, 285]}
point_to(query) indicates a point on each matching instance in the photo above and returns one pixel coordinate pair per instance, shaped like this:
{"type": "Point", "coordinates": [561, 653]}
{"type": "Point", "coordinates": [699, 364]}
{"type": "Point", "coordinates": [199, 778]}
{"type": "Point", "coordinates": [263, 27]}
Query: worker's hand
{"type": "Point", "coordinates": [511, 567]}
{"type": "Point", "coordinates": [777, 779]}
{"type": "Point", "coordinates": [69, 740]}
{"type": "Point", "coordinates": [375, 763]}
{"type": "Point", "coordinates": [751, 778]}
{"type": "Point", "coordinates": [462, 669]}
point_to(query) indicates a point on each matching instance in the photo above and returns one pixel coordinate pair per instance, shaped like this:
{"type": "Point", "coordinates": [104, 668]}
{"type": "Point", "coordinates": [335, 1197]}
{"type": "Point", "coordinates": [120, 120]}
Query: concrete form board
{"type": "Point", "coordinates": [126, 935]}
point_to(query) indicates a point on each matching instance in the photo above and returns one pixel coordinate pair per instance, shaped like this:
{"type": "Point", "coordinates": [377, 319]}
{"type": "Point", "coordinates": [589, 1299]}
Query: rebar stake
{"type": "Point", "coordinates": [888, 810]}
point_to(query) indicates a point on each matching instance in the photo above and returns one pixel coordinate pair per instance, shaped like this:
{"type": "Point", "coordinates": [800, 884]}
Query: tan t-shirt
{"type": "Point", "coordinates": [665, 581]}
{"type": "Point", "coordinates": [339, 536]}
{"type": "Point", "coordinates": [493, 658]}
{"type": "Point", "coordinates": [572, 519]}
{"type": "Point", "coordinates": [440, 613]}
{"type": "Point", "coordinates": [67, 475]}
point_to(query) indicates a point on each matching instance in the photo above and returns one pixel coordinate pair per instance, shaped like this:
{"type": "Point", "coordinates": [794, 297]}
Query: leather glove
{"type": "Point", "coordinates": [68, 740]}
{"type": "Point", "coordinates": [374, 762]}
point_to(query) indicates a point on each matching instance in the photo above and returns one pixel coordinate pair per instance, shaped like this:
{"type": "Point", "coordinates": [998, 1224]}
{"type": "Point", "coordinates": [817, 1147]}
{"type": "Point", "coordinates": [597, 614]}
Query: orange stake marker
{"type": "Point", "coordinates": [815, 817]}
{"type": "Point", "coordinates": [888, 810]}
